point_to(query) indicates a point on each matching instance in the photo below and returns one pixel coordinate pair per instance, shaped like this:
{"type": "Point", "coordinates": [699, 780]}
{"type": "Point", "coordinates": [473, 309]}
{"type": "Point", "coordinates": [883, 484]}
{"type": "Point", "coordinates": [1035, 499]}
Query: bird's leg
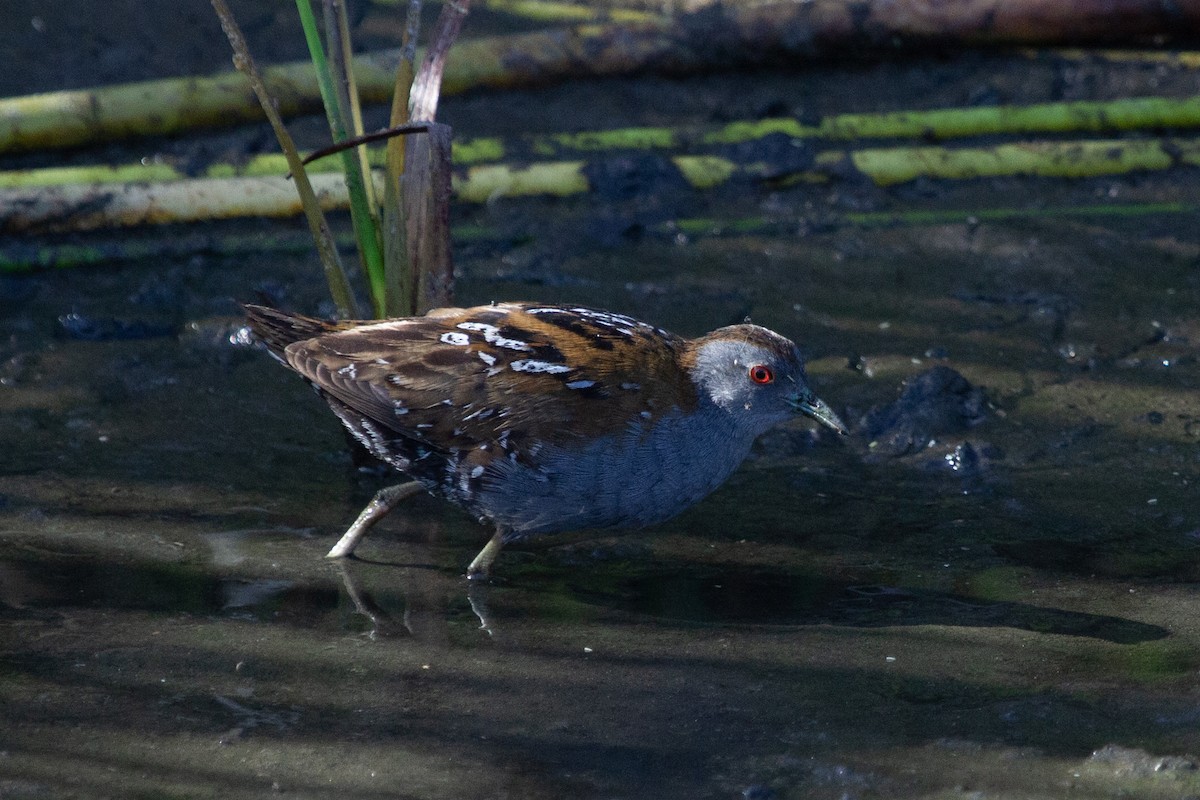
{"type": "Point", "coordinates": [482, 565]}
{"type": "Point", "coordinates": [383, 502]}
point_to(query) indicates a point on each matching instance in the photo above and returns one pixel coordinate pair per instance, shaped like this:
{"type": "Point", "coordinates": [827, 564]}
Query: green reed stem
{"type": "Point", "coordinates": [335, 273]}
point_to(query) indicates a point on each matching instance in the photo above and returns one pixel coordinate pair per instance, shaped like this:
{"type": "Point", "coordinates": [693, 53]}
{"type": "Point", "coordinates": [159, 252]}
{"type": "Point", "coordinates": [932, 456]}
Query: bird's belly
{"type": "Point", "coordinates": [631, 481]}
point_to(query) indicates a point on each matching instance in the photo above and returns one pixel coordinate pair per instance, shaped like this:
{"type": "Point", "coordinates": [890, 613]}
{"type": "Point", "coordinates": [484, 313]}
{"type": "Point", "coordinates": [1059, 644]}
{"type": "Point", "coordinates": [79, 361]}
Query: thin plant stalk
{"type": "Point", "coordinates": [398, 274]}
{"type": "Point", "coordinates": [335, 273]}
{"type": "Point", "coordinates": [427, 184]}
{"type": "Point", "coordinates": [427, 85]}
{"type": "Point", "coordinates": [361, 217]}
{"type": "Point", "coordinates": [340, 49]}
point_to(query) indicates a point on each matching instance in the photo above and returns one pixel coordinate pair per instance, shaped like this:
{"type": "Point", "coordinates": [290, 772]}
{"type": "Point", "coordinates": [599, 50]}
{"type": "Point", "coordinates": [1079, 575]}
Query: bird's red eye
{"type": "Point", "coordinates": [761, 373]}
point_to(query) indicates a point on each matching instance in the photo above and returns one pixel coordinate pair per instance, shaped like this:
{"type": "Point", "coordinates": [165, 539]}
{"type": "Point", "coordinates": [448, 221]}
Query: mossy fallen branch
{"type": "Point", "coordinates": [549, 11]}
{"type": "Point", "coordinates": [721, 36]}
{"type": "Point", "coordinates": [82, 207]}
{"type": "Point", "coordinates": [1122, 115]}
{"type": "Point", "coordinates": [87, 207]}
{"type": "Point", "coordinates": [1082, 159]}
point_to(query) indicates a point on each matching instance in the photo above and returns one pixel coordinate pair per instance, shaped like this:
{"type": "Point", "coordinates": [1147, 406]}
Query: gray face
{"type": "Point", "coordinates": [749, 381]}
{"type": "Point", "coordinates": [758, 379]}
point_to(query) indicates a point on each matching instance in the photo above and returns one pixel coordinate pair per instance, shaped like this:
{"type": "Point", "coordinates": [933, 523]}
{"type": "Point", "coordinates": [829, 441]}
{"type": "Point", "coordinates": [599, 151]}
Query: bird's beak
{"type": "Point", "coordinates": [810, 405]}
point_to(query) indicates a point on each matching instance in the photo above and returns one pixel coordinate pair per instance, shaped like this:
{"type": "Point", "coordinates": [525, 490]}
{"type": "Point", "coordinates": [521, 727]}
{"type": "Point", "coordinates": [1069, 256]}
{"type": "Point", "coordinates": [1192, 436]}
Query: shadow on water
{"type": "Point", "coordinates": [736, 595]}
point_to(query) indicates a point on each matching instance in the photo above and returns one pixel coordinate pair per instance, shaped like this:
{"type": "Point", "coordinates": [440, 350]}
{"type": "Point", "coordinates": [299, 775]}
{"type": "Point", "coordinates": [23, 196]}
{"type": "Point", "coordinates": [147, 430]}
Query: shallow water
{"type": "Point", "coordinates": [836, 621]}
{"type": "Point", "coordinates": [999, 604]}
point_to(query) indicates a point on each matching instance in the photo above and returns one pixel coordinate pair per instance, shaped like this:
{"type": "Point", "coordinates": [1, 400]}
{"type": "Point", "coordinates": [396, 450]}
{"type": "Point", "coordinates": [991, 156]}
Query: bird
{"type": "Point", "coordinates": [540, 418]}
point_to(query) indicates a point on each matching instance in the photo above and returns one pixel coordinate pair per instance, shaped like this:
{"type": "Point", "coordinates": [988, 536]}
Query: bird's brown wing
{"type": "Point", "coordinates": [508, 374]}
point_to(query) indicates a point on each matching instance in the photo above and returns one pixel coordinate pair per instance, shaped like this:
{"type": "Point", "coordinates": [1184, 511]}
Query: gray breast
{"type": "Point", "coordinates": [646, 474]}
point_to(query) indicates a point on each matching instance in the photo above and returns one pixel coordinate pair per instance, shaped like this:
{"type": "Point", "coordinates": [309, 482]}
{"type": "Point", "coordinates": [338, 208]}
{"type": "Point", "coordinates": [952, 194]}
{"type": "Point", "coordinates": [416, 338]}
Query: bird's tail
{"type": "Point", "coordinates": [277, 329]}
